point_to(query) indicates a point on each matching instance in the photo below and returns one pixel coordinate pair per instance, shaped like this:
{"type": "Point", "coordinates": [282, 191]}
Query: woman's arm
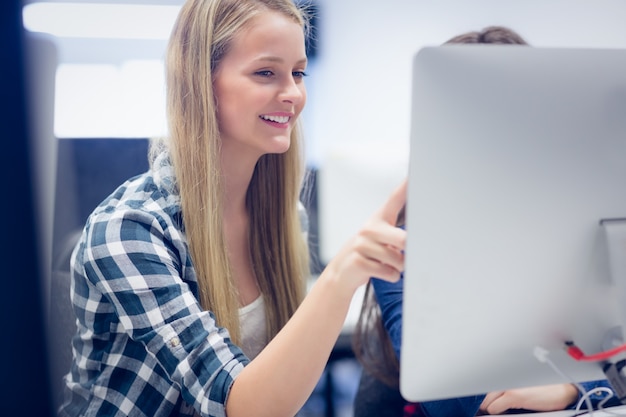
{"type": "Point", "coordinates": [281, 378]}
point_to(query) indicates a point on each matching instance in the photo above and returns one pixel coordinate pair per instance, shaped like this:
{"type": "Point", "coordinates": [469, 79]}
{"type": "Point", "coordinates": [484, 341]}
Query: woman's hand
{"type": "Point", "coordinates": [542, 398]}
{"type": "Point", "coordinates": [377, 250]}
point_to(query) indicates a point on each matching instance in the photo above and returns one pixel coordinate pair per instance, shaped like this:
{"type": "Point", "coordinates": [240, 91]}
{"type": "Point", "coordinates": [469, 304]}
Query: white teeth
{"type": "Point", "coordinates": [276, 119]}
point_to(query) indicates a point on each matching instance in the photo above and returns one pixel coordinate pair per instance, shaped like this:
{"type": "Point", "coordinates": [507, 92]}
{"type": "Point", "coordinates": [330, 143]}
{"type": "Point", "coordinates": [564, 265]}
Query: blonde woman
{"type": "Point", "coordinates": [189, 280]}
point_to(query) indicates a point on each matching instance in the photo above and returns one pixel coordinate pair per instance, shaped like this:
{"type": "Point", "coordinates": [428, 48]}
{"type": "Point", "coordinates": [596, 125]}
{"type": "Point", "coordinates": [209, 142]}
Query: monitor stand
{"type": "Point", "coordinates": [615, 230]}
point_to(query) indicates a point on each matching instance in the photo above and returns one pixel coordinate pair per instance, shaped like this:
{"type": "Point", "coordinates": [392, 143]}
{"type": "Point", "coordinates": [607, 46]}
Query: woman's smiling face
{"type": "Point", "coordinates": [259, 86]}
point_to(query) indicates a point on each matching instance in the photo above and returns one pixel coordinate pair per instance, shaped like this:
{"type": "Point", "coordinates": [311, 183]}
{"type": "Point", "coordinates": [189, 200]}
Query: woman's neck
{"type": "Point", "coordinates": [237, 170]}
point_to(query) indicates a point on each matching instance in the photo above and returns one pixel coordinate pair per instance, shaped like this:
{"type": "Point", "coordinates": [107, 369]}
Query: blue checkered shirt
{"type": "Point", "coordinates": [144, 346]}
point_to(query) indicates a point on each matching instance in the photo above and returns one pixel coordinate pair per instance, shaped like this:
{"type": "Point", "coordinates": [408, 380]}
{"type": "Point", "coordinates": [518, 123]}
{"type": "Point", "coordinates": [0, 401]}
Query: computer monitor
{"type": "Point", "coordinates": [517, 154]}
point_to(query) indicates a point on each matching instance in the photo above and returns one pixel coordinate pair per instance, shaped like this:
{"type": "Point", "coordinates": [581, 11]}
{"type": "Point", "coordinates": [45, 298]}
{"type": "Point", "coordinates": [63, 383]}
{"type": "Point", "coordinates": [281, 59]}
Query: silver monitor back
{"type": "Point", "coordinates": [516, 155]}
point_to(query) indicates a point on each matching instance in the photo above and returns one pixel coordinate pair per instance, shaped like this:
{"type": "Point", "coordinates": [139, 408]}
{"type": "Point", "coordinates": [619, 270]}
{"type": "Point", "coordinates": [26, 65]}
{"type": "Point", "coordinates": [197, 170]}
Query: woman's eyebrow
{"type": "Point", "coordinates": [279, 60]}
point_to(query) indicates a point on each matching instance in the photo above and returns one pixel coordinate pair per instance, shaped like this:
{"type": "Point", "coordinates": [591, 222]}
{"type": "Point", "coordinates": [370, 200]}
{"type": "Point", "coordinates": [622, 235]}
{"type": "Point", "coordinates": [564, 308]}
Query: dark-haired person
{"type": "Point", "coordinates": [377, 338]}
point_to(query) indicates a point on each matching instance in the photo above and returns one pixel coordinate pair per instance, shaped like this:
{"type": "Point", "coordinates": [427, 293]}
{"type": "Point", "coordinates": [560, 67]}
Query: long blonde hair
{"type": "Point", "coordinates": [202, 35]}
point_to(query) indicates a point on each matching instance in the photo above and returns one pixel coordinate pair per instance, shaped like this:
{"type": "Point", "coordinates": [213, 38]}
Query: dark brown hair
{"type": "Point", "coordinates": [491, 35]}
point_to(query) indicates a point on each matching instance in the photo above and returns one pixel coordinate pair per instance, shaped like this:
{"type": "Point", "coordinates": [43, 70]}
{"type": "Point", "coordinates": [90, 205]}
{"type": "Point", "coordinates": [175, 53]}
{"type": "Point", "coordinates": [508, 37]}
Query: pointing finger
{"type": "Point", "coordinates": [390, 210]}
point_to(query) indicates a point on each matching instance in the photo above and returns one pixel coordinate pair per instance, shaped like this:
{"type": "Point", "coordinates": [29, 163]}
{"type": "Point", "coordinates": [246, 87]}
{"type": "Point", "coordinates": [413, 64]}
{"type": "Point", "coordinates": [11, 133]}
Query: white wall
{"type": "Point", "coordinates": [363, 77]}
{"type": "Point", "coordinates": [361, 102]}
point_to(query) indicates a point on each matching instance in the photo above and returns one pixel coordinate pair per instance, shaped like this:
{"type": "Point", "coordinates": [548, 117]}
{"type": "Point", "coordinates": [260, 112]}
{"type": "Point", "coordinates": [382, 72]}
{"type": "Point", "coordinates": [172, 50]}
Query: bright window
{"type": "Point", "coordinates": [110, 101]}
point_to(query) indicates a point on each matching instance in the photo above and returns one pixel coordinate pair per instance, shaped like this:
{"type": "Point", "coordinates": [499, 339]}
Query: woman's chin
{"type": "Point", "coordinates": [280, 145]}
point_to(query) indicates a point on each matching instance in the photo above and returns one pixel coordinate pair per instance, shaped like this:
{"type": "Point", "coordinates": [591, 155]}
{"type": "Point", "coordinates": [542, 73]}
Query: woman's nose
{"type": "Point", "coordinates": [293, 91]}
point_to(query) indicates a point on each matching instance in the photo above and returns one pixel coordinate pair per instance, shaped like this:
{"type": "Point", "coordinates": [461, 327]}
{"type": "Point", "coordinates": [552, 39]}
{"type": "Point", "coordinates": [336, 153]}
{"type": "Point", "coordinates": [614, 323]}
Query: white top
{"type": "Point", "coordinates": [253, 327]}
{"type": "Point", "coordinates": [252, 316]}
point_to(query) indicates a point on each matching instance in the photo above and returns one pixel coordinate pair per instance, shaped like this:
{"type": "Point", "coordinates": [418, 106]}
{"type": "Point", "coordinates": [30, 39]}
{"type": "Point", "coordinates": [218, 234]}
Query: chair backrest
{"type": "Point", "coordinates": [88, 170]}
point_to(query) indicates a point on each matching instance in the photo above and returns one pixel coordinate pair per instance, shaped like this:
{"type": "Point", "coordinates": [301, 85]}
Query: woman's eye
{"type": "Point", "coordinates": [264, 73]}
{"type": "Point", "coordinates": [299, 74]}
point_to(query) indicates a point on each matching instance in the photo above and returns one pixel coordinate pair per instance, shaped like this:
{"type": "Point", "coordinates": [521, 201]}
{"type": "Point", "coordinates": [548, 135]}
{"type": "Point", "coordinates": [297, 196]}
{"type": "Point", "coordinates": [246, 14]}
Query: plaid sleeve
{"type": "Point", "coordinates": [136, 261]}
